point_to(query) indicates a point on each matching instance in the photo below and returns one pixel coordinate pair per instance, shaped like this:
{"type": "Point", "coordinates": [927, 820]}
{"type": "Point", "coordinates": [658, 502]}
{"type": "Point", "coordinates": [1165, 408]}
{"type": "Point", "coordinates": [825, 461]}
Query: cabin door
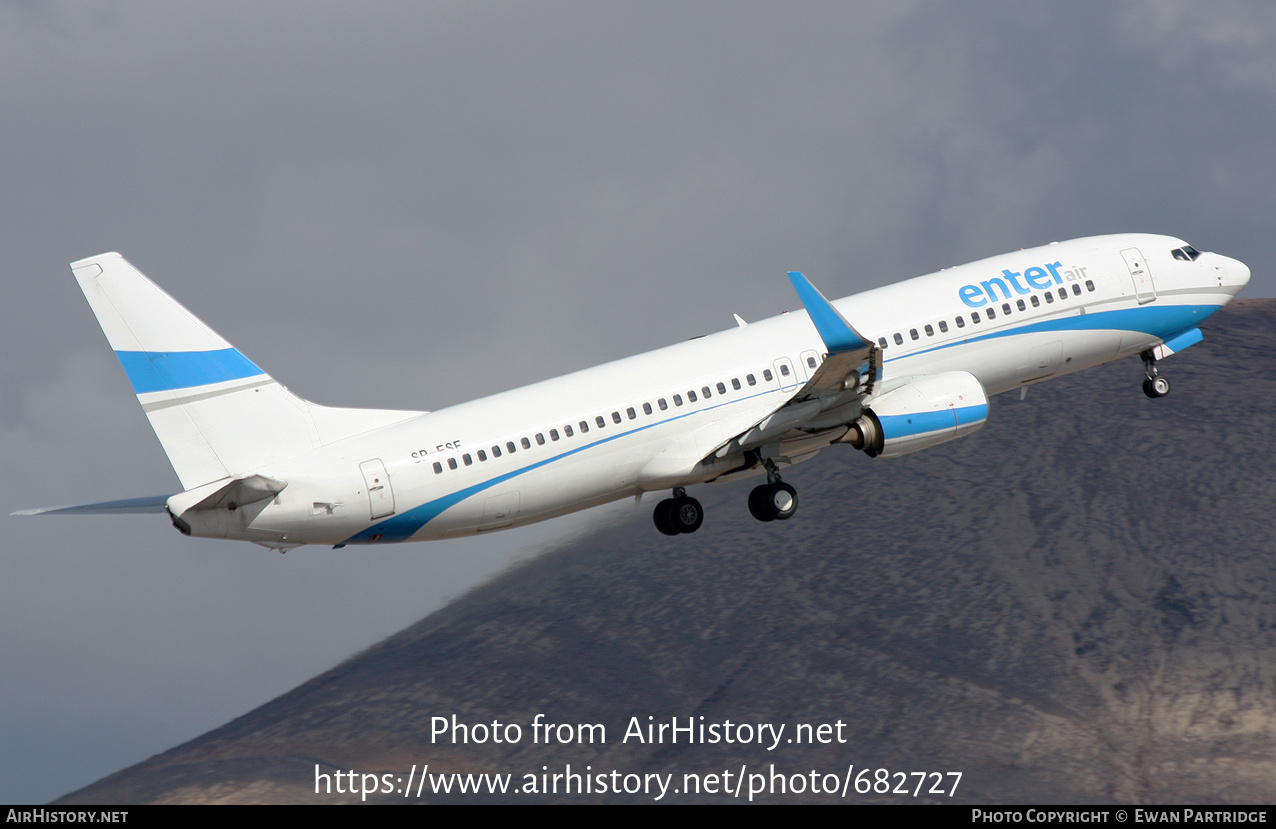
{"type": "Point", "coordinates": [1144, 287]}
{"type": "Point", "coordinates": [380, 495]}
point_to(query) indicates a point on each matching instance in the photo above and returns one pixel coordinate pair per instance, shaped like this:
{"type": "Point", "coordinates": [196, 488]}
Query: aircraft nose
{"type": "Point", "coordinates": [1238, 271]}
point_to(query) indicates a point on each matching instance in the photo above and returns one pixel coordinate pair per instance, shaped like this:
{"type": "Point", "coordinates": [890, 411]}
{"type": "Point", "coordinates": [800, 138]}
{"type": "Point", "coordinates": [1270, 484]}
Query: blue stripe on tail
{"type": "Point", "coordinates": [150, 371]}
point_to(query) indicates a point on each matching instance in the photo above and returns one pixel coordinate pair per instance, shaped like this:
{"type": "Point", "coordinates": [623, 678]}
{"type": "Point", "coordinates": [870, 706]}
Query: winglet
{"type": "Point", "coordinates": [838, 334]}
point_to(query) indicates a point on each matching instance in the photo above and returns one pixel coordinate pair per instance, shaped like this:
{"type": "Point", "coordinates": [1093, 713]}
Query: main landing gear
{"type": "Point", "coordinates": [679, 514]}
{"type": "Point", "coordinates": [1154, 385]}
{"type": "Point", "coordinates": [774, 500]}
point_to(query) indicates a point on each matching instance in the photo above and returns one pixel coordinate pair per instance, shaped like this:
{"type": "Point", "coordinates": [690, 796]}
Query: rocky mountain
{"type": "Point", "coordinates": [1077, 603]}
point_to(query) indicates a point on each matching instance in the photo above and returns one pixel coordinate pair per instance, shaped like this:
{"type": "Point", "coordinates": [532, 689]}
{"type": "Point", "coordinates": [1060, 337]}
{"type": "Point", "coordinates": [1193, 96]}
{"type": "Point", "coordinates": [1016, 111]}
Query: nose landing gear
{"type": "Point", "coordinates": [1154, 385]}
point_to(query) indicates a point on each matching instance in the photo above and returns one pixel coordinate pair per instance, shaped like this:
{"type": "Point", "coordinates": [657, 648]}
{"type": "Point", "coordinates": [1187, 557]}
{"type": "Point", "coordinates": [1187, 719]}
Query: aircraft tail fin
{"type": "Point", "coordinates": [215, 412]}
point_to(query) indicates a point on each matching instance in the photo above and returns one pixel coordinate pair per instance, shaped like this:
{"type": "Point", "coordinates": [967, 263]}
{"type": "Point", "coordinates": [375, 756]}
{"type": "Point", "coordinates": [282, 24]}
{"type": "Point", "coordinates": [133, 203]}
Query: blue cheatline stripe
{"type": "Point", "coordinates": [403, 526]}
{"type": "Point", "coordinates": [1159, 321]}
{"type": "Point", "coordinates": [836, 332]}
{"type": "Point", "coordinates": [168, 370]}
{"type": "Point", "coordinates": [918, 423]}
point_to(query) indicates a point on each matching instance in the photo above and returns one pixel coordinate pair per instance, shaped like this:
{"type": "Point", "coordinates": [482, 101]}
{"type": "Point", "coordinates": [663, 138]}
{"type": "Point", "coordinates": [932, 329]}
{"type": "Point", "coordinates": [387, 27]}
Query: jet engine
{"type": "Point", "coordinates": [924, 411]}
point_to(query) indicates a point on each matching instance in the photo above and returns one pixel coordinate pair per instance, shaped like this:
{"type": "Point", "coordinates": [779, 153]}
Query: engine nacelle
{"type": "Point", "coordinates": [923, 412]}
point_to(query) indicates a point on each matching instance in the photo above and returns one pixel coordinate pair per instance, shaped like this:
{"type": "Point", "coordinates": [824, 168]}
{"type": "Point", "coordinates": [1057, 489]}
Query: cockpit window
{"type": "Point", "coordinates": [1186, 253]}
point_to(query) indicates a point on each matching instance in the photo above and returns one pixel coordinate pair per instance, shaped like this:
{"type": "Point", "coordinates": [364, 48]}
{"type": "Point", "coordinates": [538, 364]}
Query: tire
{"type": "Point", "coordinates": [687, 514]}
{"type": "Point", "coordinates": [1161, 386]}
{"type": "Point", "coordinates": [783, 501]}
{"type": "Point", "coordinates": [664, 519]}
{"type": "Point", "coordinates": [760, 503]}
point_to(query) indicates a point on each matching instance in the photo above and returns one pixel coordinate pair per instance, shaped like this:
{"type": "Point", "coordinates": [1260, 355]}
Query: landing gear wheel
{"type": "Point", "coordinates": [783, 501]}
{"type": "Point", "coordinates": [663, 516]}
{"type": "Point", "coordinates": [674, 516]}
{"type": "Point", "coordinates": [773, 502]}
{"type": "Point", "coordinates": [1156, 386]}
{"type": "Point", "coordinates": [688, 514]}
{"type": "Point", "coordinates": [758, 503]}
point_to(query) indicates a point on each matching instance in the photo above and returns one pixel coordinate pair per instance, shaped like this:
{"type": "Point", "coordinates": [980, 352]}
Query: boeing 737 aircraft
{"type": "Point", "coordinates": [888, 372]}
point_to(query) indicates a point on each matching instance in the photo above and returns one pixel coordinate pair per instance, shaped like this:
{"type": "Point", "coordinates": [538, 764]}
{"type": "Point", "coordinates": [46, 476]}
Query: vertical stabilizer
{"type": "Point", "coordinates": [216, 413]}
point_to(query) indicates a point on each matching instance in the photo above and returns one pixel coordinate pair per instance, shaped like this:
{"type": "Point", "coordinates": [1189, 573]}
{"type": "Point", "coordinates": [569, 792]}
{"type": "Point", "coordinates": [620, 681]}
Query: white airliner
{"type": "Point", "coordinates": [888, 371]}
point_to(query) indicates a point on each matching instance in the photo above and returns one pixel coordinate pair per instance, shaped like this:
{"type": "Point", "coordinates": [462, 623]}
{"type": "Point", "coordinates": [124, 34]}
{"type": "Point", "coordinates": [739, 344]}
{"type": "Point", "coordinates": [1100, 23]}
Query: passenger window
{"type": "Point", "coordinates": [584, 426]}
{"type": "Point", "coordinates": [735, 383]}
{"type": "Point", "coordinates": [930, 332]}
{"type": "Point", "coordinates": [509, 446]}
{"type": "Point", "coordinates": [646, 408]}
{"type": "Point", "coordinates": [784, 369]}
{"type": "Point", "coordinates": [961, 322]}
{"type": "Point", "coordinates": [912, 332]}
{"type": "Point", "coordinates": [482, 455]}
{"type": "Point", "coordinates": [451, 463]}
{"type": "Point", "coordinates": [1063, 293]}
{"type": "Point", "coordinates": [615, 417]}
{"type": "Point", "coordinates": [1076, 289]}
{"type": "Point", "coordinates": [662, 404]}
{"type": "Point", "coordinates": [496, 451]}
{"type": "Point", "coordinates": [943, 326]}
{"type": "Point", "coordinates": [438, 468]}
{"type": "Point", "coordinates": [692, 396]}
{"type": "Point", "coordinates": [527, 444]}
{"type": "Point", "coordinates": [810, 362]}
{"type": "Point", "coordinates": [1020, 305]}
{"type": "Point", "coordinates": [677, 399]}
{"type": "Point", "coordinates": [1036, 303]}
{"type": "Point", "coordinates": [881, 341]}
{"type": "Point", "coordinates": [705, 393]}
{"type": "Point", "coordinates": [752, 381]}
{"type": "Point", "coordinates": [553, 434]}
{"type": "Point", "coordinates": [567, 430]}
{"type": "Point", "coordinates": [1005, 308]}
{"type": "Point", "coordinates": [722, 388]}
{"type": "Point", "coordinates": [974, 317]}
{"type": "Point", "coordinates": [1089, 285]}
{"type": "Point", "coordinates": [992, 313]}
{"type": "Point", "coordinates": [899, 338]}
{"type": "Point", "coordinates": [1049, 297]}
{"type": "Point", "coordinates": [540, 439]}
{"type": "Point", "coordinates": [599, 420]}
{"type": "Point", "coordinates": [768, 376]}
{"type": "Point", "coordinates": [467, 459]}
{"type": "Point", "coordinates": [632, 414]}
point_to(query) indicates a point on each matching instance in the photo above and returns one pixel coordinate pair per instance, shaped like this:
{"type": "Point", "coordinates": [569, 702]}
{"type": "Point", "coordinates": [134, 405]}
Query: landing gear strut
{"type": "Point", "coordinates": [1154, 385]}
{"type": "Point", "coordinates": [679, 514]}
{"type": "Point", "coordinates": [774, 500]}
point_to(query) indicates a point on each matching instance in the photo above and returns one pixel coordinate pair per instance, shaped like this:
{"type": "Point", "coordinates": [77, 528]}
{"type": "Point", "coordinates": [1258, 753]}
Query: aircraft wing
{"type": "Point", "coordinates": [851, 357]}
{"type": "Point", "coordinates": [851, 370]}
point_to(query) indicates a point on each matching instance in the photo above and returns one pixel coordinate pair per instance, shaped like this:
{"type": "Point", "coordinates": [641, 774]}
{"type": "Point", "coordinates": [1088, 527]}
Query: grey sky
{"type": "Point", "coordinates": [405, 204]}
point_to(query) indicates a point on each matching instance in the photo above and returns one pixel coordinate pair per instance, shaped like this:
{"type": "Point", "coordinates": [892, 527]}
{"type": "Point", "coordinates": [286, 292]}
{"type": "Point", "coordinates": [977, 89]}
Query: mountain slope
{"type": "Point", "coordinates": [1077, 603]}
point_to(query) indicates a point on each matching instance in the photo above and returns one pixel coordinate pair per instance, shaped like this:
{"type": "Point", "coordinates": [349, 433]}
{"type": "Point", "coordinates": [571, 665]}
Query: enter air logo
{"type": "Point", "coordinates": [1038, 277]}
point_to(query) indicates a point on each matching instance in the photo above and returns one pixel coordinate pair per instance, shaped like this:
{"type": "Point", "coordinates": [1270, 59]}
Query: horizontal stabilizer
{"type": "Point", "coordinates": [153, 503]}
